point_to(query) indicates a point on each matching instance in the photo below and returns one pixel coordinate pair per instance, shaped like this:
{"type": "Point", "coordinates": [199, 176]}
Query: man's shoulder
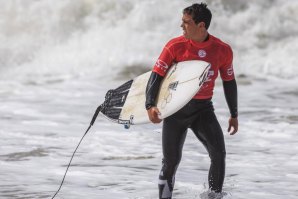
{"type": "Point", "coordinates": [181, 40]}
{"type": "Point", "coordinates": [224, 49]}
{"type": "Point", "coordinates": [220, 43]}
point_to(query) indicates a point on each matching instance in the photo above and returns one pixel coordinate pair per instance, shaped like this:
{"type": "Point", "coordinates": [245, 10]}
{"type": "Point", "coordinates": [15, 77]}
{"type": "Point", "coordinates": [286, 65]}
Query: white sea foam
{"type": "Point", "coordinates": [87, 36]}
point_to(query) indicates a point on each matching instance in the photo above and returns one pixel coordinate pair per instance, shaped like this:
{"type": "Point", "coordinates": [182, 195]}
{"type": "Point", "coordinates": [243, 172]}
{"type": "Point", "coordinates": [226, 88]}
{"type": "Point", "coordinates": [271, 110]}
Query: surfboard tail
{"type": "Point", "coordinates": [114, 101]}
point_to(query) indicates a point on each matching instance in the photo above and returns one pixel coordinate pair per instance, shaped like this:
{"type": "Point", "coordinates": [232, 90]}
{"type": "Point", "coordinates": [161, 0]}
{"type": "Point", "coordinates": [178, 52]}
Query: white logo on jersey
{"type": "Point", "coordinates": [202, 53]}
{"type": "Point", "coordinates": [162, 65]}
{"type": "Point", "coordinates": [230, 70]}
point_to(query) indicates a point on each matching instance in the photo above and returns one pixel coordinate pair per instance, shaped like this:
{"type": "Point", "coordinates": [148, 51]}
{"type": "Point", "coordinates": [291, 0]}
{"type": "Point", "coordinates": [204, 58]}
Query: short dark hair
{"type": "Point", "coordinates": [199, 13]}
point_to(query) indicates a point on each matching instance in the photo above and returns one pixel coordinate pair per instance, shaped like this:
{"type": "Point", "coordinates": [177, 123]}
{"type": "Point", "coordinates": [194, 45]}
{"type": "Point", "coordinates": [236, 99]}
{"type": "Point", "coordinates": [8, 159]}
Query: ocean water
{"type": "Point", "coordinates": [58, 59]}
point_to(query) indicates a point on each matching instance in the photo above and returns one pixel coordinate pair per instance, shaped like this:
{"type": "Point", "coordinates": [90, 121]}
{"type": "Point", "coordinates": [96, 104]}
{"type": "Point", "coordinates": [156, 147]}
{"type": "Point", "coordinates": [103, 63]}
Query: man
{"type": "Point", "coordinates": [198, 115]}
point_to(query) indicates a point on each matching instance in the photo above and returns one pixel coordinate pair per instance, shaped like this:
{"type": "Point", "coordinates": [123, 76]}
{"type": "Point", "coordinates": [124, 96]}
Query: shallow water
{"type": "Point", "coordinates": [42, 124]}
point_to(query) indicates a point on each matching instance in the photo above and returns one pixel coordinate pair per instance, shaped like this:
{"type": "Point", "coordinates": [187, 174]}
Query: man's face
{"type": "Point", "coordinates": [190, 29]}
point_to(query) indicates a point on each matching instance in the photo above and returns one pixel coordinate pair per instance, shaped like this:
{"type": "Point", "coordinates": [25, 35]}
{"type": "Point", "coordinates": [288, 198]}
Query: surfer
{"type": "Point", "coordinates": [198, 115]}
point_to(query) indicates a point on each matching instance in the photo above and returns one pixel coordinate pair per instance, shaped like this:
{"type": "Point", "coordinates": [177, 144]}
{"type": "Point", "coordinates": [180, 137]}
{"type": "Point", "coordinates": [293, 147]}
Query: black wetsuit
{"type": "Point", "coordinates": [197, 115]}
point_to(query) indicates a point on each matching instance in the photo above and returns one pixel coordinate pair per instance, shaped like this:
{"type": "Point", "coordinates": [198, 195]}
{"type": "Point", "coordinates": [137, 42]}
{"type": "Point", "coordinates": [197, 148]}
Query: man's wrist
{"type": "Point", "coordinates": [234, 115]}
{"type": "Point", "coordinates": [148, 106]}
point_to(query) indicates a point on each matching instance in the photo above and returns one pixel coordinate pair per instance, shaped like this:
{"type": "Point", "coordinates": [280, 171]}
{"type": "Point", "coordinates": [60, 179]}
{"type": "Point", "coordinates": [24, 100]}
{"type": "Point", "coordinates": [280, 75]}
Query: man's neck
{"type": "Point", "coordinates": [204, 37]}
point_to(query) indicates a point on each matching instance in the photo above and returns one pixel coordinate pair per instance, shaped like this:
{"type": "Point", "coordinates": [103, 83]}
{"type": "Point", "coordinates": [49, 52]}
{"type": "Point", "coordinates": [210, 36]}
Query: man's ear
{"type": "Point", "coordinates": [201, 24]}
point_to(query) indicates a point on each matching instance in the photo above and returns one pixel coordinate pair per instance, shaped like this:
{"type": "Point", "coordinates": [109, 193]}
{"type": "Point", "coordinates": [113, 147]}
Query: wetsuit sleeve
{"type": "Point", "coordinates": [230, 90]}
{"type": "Point", "coordinates": [152, 89]}
{"type": "Point", "coordinates": [162, 65]}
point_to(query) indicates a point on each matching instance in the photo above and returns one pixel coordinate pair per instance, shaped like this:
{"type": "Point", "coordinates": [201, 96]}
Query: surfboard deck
{"type": "Point", "coordinates": [126, 104]}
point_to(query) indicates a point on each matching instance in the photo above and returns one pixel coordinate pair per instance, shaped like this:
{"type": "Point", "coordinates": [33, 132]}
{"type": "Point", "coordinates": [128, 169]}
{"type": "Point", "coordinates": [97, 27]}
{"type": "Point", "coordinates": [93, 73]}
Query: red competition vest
{"type": "Point", "coordinates": [213, 51]}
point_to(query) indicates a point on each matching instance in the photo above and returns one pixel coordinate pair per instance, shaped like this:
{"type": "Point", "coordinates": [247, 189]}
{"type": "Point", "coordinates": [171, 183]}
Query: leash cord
{"type": "Point", "coordinates": [91, 124]}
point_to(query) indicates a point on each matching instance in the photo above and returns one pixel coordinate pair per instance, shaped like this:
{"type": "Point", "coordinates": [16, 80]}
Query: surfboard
{"type": "Point", "coordinates": [126, 104]}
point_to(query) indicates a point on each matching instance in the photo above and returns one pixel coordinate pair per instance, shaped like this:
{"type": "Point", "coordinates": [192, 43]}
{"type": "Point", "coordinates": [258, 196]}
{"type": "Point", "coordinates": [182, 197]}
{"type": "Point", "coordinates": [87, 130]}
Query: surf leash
{"type": "Point", "coordinates": [91, 124]}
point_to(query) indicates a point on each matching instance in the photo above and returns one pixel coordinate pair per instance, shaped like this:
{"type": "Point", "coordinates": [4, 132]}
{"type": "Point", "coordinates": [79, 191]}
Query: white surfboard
{"type": "Point", "coordinates": [126, 104]}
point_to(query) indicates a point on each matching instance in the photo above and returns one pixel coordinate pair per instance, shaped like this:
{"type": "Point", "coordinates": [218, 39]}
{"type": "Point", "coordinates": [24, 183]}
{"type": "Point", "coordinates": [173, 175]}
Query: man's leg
{"type": "Point", "coordinates": [209, 132]}
{"type": "Point", "coordinates": [173, 137]}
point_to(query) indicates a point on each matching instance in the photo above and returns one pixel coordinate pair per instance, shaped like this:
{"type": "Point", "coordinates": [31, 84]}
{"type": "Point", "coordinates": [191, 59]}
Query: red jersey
{"type": "Point", "coordinates": [213, 51]}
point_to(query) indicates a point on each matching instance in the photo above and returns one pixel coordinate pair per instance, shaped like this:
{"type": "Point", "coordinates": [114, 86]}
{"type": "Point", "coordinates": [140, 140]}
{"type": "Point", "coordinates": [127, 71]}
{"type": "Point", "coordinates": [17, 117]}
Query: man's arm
{"type": "Point", "coordinates": [152, 89]}
{"type": "Point", "coordinates": [230, 90]}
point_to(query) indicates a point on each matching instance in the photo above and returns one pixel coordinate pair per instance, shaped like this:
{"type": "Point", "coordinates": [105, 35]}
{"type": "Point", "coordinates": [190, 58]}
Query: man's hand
{"type": "Point", "coordinates": [233, 126]}
{"type": "Point", "coordinates": [153, 113]}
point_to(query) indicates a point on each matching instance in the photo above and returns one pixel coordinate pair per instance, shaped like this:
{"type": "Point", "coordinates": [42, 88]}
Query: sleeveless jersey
{"type": "Point", "coordinates": [213, 51]}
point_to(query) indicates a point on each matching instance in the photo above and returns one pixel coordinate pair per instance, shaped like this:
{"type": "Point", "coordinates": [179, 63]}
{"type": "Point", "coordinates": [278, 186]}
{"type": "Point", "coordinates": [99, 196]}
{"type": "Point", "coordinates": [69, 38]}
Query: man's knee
{"type": "Point", "coordinates": [217, 156]}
